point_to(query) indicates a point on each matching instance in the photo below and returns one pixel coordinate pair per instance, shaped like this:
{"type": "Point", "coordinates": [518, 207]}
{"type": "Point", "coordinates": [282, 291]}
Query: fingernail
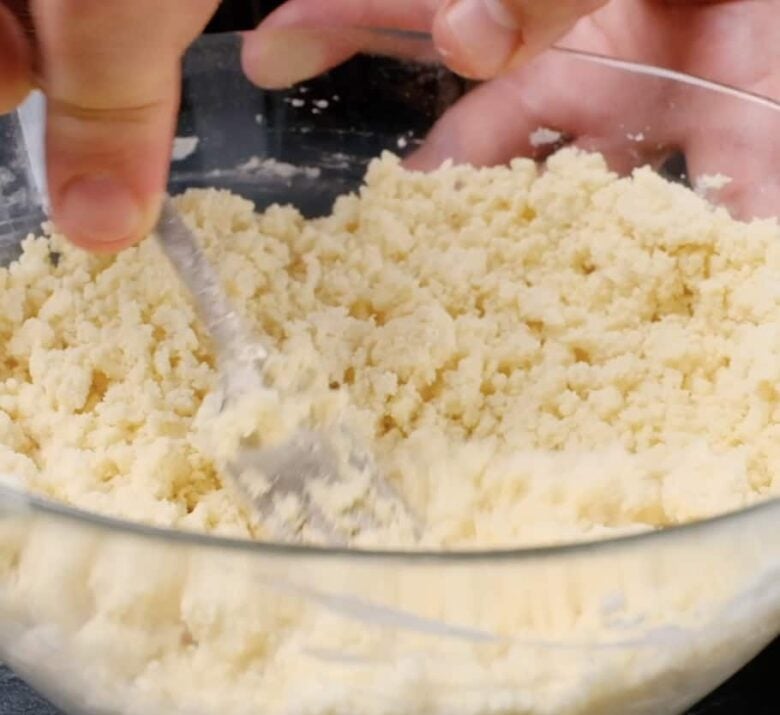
{"type": "Point", "coordinates": [487, 33]}
{"type": "Point", "coordinates": [98, 209]}
{"type": "Point", "coordinates": [285, 57]}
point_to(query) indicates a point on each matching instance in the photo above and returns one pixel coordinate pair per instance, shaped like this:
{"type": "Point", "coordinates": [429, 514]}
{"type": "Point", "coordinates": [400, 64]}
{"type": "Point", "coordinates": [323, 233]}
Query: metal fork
{"type": "Point", "coordinates": [266, 474]}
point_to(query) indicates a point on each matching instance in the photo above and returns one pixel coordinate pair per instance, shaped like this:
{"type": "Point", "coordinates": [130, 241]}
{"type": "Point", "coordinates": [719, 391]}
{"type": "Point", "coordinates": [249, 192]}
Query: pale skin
{"type": "Point", "coordinates": [110, 69]}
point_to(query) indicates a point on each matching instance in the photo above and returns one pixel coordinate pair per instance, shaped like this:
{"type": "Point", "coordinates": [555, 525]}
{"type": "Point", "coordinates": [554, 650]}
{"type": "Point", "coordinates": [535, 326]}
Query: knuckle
{"type": "Point", "coordinates": [102, 113]}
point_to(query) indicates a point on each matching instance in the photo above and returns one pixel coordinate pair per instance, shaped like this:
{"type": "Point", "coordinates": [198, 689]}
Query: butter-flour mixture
{"type": "Point", "coordinates": [534, 358]}
{"type": "Point", "coordinates": [539, 358]}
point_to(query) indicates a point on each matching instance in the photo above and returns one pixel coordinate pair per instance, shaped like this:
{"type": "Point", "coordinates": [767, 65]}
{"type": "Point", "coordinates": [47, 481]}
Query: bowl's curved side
{"type": "Point", "coordinates": [117, 622]}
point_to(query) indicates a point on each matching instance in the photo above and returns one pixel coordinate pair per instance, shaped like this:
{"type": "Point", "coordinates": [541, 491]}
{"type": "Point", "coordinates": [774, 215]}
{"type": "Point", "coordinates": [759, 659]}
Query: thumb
{"type": "Point", "coordinates": [483, 38]}
{"type": "Point", "coordinates": [111, 73]}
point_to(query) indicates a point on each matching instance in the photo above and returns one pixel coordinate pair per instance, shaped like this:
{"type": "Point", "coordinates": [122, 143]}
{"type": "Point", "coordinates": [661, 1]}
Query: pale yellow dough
{"type": "Point", "coordinates": [534, 358]}
{"type": "Point", "coordinates": [540, 358]}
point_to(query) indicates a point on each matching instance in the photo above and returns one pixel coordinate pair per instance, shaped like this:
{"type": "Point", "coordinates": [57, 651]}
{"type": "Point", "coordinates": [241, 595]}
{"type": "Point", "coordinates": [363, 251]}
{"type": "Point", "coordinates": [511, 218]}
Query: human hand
{"type": "Point", "coordinates": [478, 39]}
{"type": "Point", "coordinates": [112, 81]}
{"type": "Point", "coordinates": [110, 70]}
{"type": "Point", "coordinates": [735, 43]}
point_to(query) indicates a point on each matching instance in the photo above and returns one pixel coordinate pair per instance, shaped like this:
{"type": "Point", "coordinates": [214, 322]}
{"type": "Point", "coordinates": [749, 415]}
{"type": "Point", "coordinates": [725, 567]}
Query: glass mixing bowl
{"type": "Point", "coordinates": [115, 618]}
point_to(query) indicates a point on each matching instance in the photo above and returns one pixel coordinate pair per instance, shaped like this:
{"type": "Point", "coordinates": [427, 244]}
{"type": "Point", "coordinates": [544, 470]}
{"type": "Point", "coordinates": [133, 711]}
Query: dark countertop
{"type": "Point", "coordinates": [751, 692]}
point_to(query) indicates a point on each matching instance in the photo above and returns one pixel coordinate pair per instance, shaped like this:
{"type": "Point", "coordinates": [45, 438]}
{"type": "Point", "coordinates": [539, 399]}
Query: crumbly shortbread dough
{"type": "Point", "coordinates": [534, 358]}
{"type": "Point", "coordinates": [537, 358]}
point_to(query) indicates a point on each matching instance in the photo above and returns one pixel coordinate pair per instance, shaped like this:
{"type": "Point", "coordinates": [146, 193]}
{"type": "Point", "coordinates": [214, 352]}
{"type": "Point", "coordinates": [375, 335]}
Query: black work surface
{"type": "Point", "coordinates": [751, 692]}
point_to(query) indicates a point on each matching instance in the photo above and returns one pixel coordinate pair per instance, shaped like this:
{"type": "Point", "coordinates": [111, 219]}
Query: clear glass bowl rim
{"type": "Point", "coordinates": [16, 501]}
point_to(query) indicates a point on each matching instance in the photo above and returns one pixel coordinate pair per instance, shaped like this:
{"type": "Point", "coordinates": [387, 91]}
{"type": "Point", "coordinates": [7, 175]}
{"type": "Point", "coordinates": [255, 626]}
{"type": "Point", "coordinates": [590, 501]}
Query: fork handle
{"type": "Point", "coordinates": [241, 356]}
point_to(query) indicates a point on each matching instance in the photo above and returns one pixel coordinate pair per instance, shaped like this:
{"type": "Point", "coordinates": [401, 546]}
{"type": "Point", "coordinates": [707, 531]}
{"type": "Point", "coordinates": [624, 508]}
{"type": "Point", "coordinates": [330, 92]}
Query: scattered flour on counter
{"type": "Point", "coordinates": [184, 147]}
{"type": "Point", "coordinates": [280, 169]}
{"type": "Point", "coordinates": [535, 357]}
